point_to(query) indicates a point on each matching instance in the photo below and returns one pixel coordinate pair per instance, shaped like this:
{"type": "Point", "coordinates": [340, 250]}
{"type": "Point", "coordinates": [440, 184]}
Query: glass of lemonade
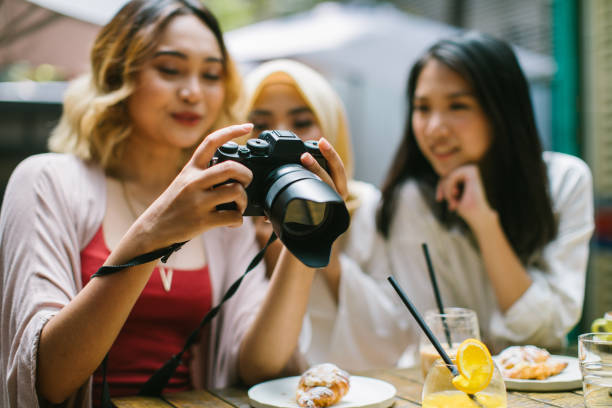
{"type": "Point", "coordinates": [439, 392]}
{"type": "Point", "coordinates": [461, 323]}
{"type": "Point", "coordinates": [595, 356]}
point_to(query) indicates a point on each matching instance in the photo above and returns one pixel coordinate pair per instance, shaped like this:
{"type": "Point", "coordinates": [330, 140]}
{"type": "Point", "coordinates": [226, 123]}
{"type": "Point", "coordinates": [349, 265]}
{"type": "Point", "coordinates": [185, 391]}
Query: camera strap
{"type": "Point", "coordinates": [158, 381]}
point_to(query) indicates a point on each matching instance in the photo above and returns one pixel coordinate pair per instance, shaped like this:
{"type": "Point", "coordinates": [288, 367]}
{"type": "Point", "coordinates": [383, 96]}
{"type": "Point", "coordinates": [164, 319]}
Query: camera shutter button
{"type": "Point", "coordinates": [258, 147]}
{"type": "Point", "coordinates": [229, 147]}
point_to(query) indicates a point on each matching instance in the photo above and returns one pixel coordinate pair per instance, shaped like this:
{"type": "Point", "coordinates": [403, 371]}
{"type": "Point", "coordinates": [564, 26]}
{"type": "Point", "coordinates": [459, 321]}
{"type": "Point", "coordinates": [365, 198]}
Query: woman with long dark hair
{"type": "Point", "coordinates": [507, 225]}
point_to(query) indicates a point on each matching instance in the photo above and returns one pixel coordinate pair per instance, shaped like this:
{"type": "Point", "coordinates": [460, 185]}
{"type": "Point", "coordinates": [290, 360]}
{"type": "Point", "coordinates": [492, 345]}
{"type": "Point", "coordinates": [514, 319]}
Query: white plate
{"type": "Point", "coordinates": [364, 392]}
{"type": "Point", "coordinates": [568, 379]}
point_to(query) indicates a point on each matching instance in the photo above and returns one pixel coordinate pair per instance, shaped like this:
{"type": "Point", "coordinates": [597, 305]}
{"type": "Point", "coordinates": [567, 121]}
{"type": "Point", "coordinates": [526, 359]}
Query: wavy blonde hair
{"type": "Point", "coordinates": [95, 123]}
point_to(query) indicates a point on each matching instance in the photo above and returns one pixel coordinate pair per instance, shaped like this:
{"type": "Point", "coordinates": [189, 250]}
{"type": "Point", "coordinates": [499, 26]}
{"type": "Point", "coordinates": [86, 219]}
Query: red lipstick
{"type": "Point", "coordinates": [187, 118]}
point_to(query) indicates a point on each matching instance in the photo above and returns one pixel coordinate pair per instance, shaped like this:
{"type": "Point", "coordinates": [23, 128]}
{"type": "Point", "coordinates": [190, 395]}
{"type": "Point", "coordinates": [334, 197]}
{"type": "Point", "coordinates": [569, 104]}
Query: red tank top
{"type": "Point", "coordinates": [156, 328]}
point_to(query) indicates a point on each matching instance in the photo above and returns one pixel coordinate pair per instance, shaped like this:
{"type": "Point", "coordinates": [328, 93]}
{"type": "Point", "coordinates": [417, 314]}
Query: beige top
{"type": "Point", "coordinates": [53, 205]}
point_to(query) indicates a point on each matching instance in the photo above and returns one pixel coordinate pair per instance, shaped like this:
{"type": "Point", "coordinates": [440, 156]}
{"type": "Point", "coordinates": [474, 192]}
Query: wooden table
{"type": "Point", "coordinates": [408, 383]}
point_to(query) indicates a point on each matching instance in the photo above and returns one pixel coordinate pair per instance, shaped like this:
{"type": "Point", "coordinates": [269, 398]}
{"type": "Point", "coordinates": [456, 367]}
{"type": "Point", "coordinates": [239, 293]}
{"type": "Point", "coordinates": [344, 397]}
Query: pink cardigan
{"type": "Point", "coordinates": [53, 205]}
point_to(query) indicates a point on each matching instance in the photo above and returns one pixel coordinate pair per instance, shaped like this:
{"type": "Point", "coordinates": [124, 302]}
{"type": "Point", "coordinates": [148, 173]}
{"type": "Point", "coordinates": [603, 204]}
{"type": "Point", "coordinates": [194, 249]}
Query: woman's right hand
{"type": "Point", "coordinates": [464, 192]}
{"type": "Point", "coordinates": [189, 205]}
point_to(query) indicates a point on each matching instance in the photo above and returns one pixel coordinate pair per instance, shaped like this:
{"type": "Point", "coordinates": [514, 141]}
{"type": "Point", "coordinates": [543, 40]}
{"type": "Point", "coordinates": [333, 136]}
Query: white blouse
{"type": "Point", "coordinates": [370, 327]}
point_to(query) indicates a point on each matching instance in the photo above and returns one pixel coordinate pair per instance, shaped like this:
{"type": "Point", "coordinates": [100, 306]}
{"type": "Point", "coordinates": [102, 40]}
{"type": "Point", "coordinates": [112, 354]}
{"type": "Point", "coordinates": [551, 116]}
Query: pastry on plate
{"type": "Point", "coordinates": [322, 385]}
{"type": "Point", "coordinates": [528, 363]}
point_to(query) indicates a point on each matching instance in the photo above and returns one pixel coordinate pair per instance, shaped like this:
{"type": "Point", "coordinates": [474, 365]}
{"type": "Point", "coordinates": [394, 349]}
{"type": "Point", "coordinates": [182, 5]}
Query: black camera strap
{"type": "Point", "coordinates": [158, 381]}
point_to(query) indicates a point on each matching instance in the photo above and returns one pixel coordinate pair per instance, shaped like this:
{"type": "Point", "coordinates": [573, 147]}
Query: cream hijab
{"type": "Point", "coordinates": [318, 95]}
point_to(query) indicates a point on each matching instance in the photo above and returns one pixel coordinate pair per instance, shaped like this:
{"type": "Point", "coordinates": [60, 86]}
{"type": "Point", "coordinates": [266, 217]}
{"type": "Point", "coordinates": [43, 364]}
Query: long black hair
{"type": "Point", "coordinates": [512, 170]}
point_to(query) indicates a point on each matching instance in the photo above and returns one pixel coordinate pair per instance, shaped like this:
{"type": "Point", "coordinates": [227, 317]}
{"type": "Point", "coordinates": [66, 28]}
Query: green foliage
{"type": "Point", "coordinates": [237, 13]}
{"type": "Point", "coordinates": [233, 13]}
{"type": "Point", "coordinates": [25, 71]}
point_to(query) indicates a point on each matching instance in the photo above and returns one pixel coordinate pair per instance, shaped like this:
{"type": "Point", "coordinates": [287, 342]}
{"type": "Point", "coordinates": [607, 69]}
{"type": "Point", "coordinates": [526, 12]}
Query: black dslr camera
{"type": "Point", "coordinates": [306, 213]}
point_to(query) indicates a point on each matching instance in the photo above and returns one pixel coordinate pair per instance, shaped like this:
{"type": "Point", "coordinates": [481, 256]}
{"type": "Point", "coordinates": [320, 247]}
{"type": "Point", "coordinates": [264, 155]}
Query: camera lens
{"type": "Point", "coordinates": [306, 213]}
{"type": "Point", "coordinates": [303, 217]}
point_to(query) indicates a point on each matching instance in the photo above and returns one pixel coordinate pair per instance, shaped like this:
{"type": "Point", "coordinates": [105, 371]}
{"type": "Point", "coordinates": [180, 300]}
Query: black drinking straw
{"type": "Point", "coordinates": [417, 316]}
{"type": "Point", "coordinates": [432, 338]}
{"type": "Point", "coordinates": [434, 284]}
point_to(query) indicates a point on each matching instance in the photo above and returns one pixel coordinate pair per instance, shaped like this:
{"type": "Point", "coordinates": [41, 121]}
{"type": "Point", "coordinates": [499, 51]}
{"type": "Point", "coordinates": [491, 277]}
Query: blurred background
{"type": "Point", "coordinates": [365, 49]}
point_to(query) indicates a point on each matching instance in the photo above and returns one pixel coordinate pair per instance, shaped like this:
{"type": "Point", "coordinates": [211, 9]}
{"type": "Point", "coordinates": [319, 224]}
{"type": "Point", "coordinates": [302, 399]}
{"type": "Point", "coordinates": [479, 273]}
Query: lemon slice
{"type": "Point", "coordinates": [475, 367]}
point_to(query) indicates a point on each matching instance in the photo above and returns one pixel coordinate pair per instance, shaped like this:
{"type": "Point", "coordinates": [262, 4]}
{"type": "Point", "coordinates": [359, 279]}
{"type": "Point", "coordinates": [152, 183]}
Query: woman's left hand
{"type": "Point", "coordinates": [464, 192]}
{"type": "Point", "coordinates": [336, 177]}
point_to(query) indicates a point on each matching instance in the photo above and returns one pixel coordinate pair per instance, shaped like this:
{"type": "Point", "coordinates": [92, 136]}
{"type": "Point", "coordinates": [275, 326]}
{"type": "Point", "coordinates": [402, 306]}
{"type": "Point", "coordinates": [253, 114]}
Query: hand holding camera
{"type": "Point", "coordinates": [306, 213]}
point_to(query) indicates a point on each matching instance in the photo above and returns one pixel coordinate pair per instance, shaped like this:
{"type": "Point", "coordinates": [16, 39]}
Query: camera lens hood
{"type": "Point", "coordinates": [295, 192]}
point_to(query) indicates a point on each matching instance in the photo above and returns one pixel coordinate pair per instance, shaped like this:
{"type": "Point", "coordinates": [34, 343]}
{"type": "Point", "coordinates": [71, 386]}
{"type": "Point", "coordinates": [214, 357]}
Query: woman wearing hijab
{"type": "Point", "coordinates": [286, 94]}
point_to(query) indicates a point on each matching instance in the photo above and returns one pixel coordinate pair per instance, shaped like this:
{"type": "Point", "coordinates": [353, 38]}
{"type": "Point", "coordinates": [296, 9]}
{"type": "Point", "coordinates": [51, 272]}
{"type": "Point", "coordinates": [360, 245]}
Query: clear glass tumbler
{"type": "Point", "coordinates": [455, 324]}
{"type": "Point", "coordinates": [595, 356]}
{"type": "Point", "coordinates": [439, 392]}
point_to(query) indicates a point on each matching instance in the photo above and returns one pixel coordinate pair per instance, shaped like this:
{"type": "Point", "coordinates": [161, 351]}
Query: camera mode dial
{"type": "Point", "coordinates": [258, 147]}
{"type": "Point", "coordinates": [229, 147]}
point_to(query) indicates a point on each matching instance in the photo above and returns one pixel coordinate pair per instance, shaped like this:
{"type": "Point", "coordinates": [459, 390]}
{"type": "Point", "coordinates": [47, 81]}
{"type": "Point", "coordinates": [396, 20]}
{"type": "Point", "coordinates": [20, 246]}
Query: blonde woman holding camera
{"type": "Point", "coordinates": [132, 176]}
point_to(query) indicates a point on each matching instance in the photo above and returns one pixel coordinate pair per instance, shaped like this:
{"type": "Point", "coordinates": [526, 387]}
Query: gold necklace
{"type": "Point", "coordinates": [164, 273]}
{"type": "Point", "coordinates": [126, 197]}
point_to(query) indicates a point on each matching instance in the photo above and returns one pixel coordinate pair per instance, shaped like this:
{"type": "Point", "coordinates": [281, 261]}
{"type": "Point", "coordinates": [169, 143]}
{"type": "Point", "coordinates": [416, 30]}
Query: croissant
{"type": "Point", "coordinates": [321, 386]}
{"type": "Point", "coordinates": [528, 363]}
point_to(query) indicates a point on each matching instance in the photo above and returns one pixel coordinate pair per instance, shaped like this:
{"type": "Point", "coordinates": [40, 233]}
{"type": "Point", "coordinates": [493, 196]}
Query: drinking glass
{"type": "Point", "coordinates": [461, 324]}
{"type": "Point", "coordinates": [595, 356]}
{"type": "Point", "coordinates": [438, 391]}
